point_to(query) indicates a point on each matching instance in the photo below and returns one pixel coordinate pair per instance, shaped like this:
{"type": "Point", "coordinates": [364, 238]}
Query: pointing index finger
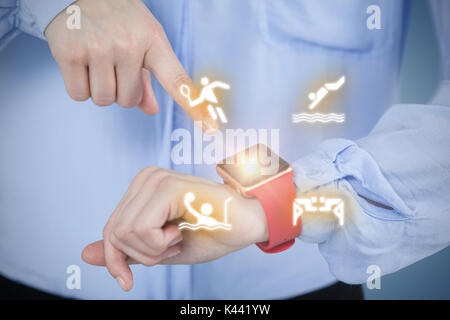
{"type": "Point", "coordinates": [162, 61]}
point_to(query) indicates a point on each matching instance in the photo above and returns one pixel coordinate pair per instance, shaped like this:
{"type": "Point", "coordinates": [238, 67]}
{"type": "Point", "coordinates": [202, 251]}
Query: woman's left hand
{"type": "Point", "coordinates": [144, 226]}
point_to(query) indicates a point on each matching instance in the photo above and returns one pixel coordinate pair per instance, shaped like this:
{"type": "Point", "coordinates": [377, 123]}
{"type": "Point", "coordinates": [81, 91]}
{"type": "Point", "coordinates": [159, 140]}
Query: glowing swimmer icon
{"type": "Point", "coordinates": [204, 221]}
{"type": "Point", "coordinates": [207, 94]}
{"type": "Point", "coordinates": [323, 91]}
{"type": "Point", "coordinates": [302, 205]}
{"type": "Point", "coordinates": [316, 98]}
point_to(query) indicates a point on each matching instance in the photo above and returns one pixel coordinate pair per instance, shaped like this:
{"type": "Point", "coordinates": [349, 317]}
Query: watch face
{"type": "Point", "coordinates": [252, 166]}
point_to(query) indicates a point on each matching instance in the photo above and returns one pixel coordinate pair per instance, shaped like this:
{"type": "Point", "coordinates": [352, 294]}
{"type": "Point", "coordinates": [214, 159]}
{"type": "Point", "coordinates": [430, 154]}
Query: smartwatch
{"type": "Point", "coordinates": [260, 173]}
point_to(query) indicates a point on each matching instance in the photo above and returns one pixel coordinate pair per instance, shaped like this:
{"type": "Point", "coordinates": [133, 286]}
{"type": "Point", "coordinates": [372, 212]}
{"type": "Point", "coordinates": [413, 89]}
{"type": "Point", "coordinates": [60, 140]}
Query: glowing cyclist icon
{"type": "Point", "coordinates": [207, 94]}
{"type": "Point", "coordinates": [204, 221]}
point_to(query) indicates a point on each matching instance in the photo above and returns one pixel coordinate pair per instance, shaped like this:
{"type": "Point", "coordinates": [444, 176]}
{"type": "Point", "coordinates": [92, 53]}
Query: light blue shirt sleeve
{"type": "Point", "coordinates": [30, 16]}
{"type": "Point", "coordinates": [403, 164]}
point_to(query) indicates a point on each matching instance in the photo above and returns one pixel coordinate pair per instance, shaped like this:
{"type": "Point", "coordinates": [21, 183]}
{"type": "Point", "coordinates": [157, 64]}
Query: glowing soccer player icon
{"type": "Point", "coordinates": [316, 98]}
{"type": "Point", "coordinates": [204, 221]}
{"type": "Point", "coordinates": [302, 205]}
{"type": "Point", "coordinates": [207, 94]}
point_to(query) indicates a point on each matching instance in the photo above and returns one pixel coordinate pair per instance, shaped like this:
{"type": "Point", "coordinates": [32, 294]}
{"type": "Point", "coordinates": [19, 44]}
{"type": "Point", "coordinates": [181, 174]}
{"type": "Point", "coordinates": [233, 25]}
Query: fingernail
{"type": "Point", "coordinates": [175, 241]}
{"type": "Point", "coordinates": [121, 283]}
{"type": "Point", "coordinates": [211, 131]}
{"type": "Point", "coordinates": [172, 254]}
{"type": "Point", "coordinates": [210, 128]}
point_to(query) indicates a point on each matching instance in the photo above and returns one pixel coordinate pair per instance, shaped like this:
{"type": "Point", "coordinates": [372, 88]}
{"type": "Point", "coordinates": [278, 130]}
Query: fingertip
{"type": "Point", "coordinates": [86, 255]}
{"type": "Point", "coordinates": [211, 127]}
{"type": "Point", "coordinates": [148, 109]}
{"type": "Point", "coordinates": [124, 276]}
{"type": "Point", "coordinates": [208, 125]}
{"type": "Point", "coordinates": [94, 254]}
{"type": "Point", "coordinates": [117, 264]}
{"type": "Point", "coordinates": [203, 119]}
{"type": "Point", "coordinates": [125, 280]}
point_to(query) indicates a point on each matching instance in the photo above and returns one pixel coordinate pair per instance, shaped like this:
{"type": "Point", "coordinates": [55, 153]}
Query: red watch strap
{"type": "Point", "coordinates": [277, 199]}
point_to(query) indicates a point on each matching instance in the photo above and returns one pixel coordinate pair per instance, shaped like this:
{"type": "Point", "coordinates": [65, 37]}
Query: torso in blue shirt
{"type": "Point", "coordinates": [65, 164]}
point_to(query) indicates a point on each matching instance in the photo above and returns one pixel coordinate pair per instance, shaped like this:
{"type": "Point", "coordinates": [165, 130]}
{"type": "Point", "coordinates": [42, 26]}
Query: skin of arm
{"type": "Point", "coordinates": [144, 226]}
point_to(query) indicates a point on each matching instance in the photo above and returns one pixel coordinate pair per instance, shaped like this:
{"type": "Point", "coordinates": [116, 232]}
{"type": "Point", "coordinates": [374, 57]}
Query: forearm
{"type": "Point", "coordinates": [404, 164]}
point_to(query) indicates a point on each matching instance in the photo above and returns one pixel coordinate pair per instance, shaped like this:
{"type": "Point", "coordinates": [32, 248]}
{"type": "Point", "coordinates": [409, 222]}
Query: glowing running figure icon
{"type": "Point", "coordinates": [203, 219]}
{"type": "Point", "coordinates": [207, 94]}
{"type": "Point", "coordinates": [316, 98]}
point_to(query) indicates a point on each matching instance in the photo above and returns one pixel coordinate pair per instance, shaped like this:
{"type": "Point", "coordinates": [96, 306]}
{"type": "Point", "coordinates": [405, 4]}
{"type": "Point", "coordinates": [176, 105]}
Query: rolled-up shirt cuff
{"type": "Point", "coordinates": [8, 30]}
{"type": "Point", "coordinates": [318, 168]}
{"type": "Point", "coordinates": [338, 159]}
{"type": "Point", "coordinates": [43, 11]}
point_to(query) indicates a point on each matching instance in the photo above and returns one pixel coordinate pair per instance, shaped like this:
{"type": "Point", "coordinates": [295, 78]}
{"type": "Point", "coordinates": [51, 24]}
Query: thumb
{"type": "Point", "coordinates": [148, 104]}
{"type": "Point", "coordinates": [164, 64]}
{"type": "Point", "coordinates": [100, 254]}
{"type": "Point", "coordinates": [94, 254]}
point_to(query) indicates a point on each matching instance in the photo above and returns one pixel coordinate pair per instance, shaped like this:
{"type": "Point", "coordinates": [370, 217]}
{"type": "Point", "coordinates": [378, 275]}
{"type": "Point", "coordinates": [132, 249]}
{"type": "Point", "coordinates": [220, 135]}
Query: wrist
{"type": "Point", "coordinates": [261, 227]}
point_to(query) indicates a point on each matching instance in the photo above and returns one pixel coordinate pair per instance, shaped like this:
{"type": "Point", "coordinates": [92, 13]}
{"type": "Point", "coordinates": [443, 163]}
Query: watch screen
{"type": "Point", "coordinates": [253, 165]}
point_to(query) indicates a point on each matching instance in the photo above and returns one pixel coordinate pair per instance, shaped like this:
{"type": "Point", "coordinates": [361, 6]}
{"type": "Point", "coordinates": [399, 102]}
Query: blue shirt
{"type": "Point", "coordinates": [65, 164]}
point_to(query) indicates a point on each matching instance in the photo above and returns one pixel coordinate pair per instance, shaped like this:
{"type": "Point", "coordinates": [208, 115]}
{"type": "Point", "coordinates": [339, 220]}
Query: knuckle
{"type": "Point", "coordinates": [140, 229]}
{"type": "Point", "coordinates": [160, 173]}
{"type": "Point", "coordinates": [100, 54]}
{"type": "Point", "coordinates": [157, 174]}
{"type": "Point", "coordinates": [157, 242]}
{"type": "Point", "coordinates": [179, 79]}
{"type": "Point", "coordinates": [120, 233]}
{"type": "Point", "coordinates": [143, 172]}
{"type": "Point", "coordinates": [146, 172]}
{"type": "Point", "coordinates": [157, 27]}
{"type": "Point", "coordinates": [76, 59]}
{"type": "Point", "coordinates": [105, 232]}
{"type": "Point", "coordinates": [72, 55]}
{"type": "Point", "coordinates": [128, 46]}
{"type": "Point", "coordinates": [158, 38]}
{"type": "Point", "coordinates": [160, 250]}
{"type": "Point", "coordinates": [99, 50]}
{"type": "Point", "coordinates": [157, 30]}
{"type": "Point", "coordinates": [169, 181]}
{"type": "Point", "coordinates": [166, 181]}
